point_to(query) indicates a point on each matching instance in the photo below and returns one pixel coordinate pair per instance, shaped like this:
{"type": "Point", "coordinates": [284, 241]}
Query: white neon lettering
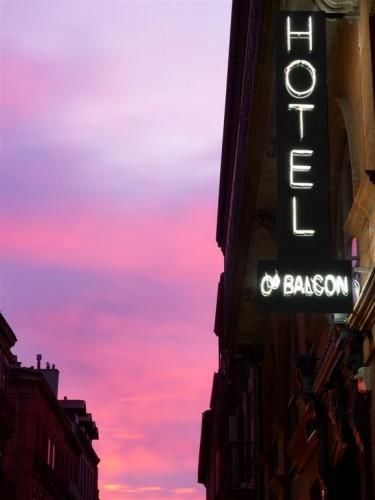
{"type": "Point", "coordinates": [330, 285]}
{"type": "Point", "coordinates": [288, 284]}
{"type": "Point", "coordinates": [308, 289]}
{"type": "Point", "coordinates": [342, 285]}
{"type": "Point", "coordinates": [269, 283]}
{"type": "Point", "coordinates": [301, 108]}
{"type": "Point", "coordinates": [302, 153]}
{"type": "Point", "coordinates": [304, 285]}
{"type": "Point", "coordinates": [317, 284]}
{"type": "Point", "coordinates": [298, 285]}
{"type": "Point", "coordinates": [296, 231]}
{"type": "Point", "coordinates": [299, 35]}
{"type": "Point", "coordinates": [266, 285]}
{"type": "Point", "coordinates": [300, 63]}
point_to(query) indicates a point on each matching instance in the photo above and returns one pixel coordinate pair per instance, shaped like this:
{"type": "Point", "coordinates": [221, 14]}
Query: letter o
{"type": "Point", "coordinates": [330, 285]}
{"type": "Point", "coordinates": [300, 63]}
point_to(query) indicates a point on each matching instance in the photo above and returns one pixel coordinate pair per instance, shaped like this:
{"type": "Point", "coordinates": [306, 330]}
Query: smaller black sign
{"type": "Point", "coordinates": [305, 287]}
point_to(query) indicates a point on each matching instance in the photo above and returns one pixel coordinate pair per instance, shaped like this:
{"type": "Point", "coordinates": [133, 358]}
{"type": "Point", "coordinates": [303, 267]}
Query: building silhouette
{"type": "Point", "coordinates": [291, 414]}
{"type": "Point", "coordinates": [47, 451]}
{"type": "Point", "coordinates": [7, 409]}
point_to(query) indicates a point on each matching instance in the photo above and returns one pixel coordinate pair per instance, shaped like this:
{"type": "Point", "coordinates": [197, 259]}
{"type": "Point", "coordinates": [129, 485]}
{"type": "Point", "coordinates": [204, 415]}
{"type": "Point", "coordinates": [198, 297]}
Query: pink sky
{"type": "Point", "coordinates": [111, 128]}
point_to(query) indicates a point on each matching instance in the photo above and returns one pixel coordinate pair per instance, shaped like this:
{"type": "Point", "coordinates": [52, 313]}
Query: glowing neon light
{"type": "Point", "coordinates": [301, 108]}
{"type": "Point", "coordinates": [300, 63]}
{"type": "Point", "coordinates": [299, 35]}
{"type": "Point", "coordinates": [288, 284]}
{"type": "Point", "coordinates": [304, 277]}
{"type": "Point", "coordinates": [356, 290]}
{"type": "Point", "coordinates": [302, 153]}
{"type": "Point", "coordinates": [330, 285]}
{"type": "Point", "coordinates": [266, 285]}
{"type": "Point", "coordinates": [316, 285]}
{"type": "Point", "coordinates": [269, 283]}
{"type": "Point", "coordinates": [342, 284]}
{"type": "Point", "coordinates": [296, 231]}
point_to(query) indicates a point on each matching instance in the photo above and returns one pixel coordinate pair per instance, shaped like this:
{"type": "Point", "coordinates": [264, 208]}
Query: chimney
{"type": "Point", "coordinates": [38, 360]}
{"type": "Point", "coordinates": [51, 376]}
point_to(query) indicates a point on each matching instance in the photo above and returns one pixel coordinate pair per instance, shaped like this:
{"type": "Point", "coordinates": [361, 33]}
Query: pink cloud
{"type": "Point", "coordinates": [123, 490]}
{"type": "Point", "coordinates": [132, 375]}
{"type": "Point", "coordinates": [27, 87]}
{"type": "Point", "coordinates": [171, 243]}
{"type": "Point", "coordinates": [184, 491]}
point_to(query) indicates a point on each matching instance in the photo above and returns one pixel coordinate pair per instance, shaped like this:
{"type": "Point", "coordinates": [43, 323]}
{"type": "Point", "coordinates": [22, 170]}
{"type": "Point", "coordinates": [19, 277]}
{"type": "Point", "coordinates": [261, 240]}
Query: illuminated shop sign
{"type": "Point", "coordinates": [316, 285]}
{"type": "Point", "coordinates": [305, 278]}
{"type": "Point", "coordinates": [305, 287]}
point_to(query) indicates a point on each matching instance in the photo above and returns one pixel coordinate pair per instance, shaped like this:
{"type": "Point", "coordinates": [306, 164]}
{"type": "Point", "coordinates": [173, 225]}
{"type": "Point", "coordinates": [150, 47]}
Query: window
{"type": "Point", "coordinates": [51, 453]}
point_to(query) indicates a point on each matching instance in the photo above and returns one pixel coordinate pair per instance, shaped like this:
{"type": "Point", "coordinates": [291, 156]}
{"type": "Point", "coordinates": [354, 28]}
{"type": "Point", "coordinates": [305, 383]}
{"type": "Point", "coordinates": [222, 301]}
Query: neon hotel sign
{"type": "Point", "coordinates": [305, 278]}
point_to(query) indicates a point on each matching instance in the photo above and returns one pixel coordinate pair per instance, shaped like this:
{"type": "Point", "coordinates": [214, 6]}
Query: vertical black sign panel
{"type": "Point", "coordinates": [305, 278]}
{"type": "Point", "coordinates": [302, 137]}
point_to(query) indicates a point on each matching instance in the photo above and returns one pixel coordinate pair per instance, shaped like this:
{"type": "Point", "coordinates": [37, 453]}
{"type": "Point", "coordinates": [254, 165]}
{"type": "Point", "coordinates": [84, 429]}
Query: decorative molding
{"type": "Point", "coordinates": [337, 6]}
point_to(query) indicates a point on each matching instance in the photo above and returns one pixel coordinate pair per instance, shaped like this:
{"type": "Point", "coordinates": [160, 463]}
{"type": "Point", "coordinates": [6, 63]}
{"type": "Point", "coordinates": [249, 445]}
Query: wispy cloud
{"type": "Point", "coordinates": [130, 490]}
{"type": "Point", "coordinates": [120, 242]}
{"type": "Point", "coordinates": [184, 491]}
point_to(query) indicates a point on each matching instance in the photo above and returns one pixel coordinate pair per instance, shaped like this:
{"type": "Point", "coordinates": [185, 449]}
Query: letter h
{"type": "Point", "coordinates": [299, 35]}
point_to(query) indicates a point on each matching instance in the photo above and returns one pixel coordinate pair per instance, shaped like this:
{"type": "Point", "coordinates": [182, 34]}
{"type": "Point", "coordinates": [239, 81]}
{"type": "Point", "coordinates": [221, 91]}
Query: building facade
{"type": "Point", "coordinates": [7, 409]}
{"type": "Point", "coordinates": [292, 416]}
{"type": "Point", "coordinates": [46, 450]}
{"type": "Point", "coordinates": [50, 455]}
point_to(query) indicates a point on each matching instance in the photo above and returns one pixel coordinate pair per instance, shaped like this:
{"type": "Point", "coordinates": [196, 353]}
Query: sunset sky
{"type": "Point", "coordinates": [111, 126]}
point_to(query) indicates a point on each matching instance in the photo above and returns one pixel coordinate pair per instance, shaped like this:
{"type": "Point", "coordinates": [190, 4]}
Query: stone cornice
{"type": "Point", "coordinates": [337, 6]}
